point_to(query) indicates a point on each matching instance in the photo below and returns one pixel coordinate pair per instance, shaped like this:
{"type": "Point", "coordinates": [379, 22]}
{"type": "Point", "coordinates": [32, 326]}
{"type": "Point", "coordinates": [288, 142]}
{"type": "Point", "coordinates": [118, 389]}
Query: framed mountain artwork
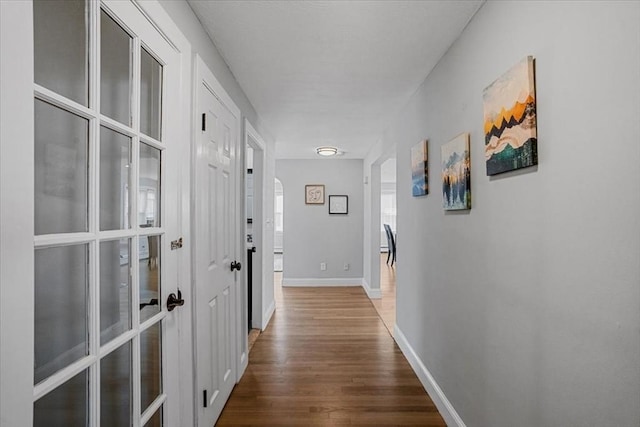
{"type": "Point", "coordinates": [419, 169]}
{"type": "Point", "coordinates": [456, 174]}
{"type": "Point", "coordinates": [510, 132]}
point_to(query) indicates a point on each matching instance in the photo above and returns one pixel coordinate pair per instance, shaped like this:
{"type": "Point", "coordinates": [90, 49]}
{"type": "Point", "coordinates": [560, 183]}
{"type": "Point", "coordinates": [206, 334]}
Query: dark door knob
{"type": "Point", "coordinates": [235, 265]}
{"type": "Point", "coordinates": [173, 301]}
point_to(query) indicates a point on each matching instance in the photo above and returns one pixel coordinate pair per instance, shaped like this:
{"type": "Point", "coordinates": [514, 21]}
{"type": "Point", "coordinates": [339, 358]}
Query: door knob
{"type": "Point", "coordinates": [173, 301]}
{"type": "Point", "coordinates": [235, 265]}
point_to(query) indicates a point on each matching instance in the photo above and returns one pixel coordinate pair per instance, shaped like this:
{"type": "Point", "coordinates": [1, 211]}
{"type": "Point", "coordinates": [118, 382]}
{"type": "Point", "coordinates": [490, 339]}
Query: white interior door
{"type": "Point", "coordinates": [106, 95]}
{"type": "Point", "coordinates": [215, 235]}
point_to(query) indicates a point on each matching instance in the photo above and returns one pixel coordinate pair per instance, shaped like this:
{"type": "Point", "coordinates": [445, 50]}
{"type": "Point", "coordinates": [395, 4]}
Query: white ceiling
{"type": "Point", "coordinates": [331, 72]}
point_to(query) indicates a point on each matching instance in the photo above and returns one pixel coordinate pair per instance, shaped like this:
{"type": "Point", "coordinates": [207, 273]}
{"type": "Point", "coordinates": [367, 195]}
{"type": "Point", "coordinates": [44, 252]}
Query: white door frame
{"type": "Point", "coordinates": [263, 301]}
{"type": "Point", "coordinates": [372, 210]}
{"type": "Point", "coordinates": [203, 73]}
{"type": "Point", "coordinates": [16, 213]}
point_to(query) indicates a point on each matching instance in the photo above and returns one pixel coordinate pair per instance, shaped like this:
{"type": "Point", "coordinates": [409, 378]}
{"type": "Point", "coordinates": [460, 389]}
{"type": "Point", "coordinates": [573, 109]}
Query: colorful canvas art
{"type": "Point", "coordinates": [510, 120]}
{"type": "Point", "coordinates": [456, 174]}
{"type": "Point", "coordinates": [419, 169]}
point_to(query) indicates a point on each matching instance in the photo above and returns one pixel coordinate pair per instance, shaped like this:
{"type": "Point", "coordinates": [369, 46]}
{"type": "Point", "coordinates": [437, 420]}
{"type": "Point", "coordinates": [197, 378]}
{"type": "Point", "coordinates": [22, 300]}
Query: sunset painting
{"type": "Point", "coordinates": [419, 169]}
{"type": "Point", "coordinates": [510, 120]}
{"type": "Point", "coordinates": [456, 174]}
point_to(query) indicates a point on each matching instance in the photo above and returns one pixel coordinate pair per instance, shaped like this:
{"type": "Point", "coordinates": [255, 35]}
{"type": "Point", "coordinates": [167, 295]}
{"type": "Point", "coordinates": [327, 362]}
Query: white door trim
{"type": "Point", "coordinates": [16, 213]}
{"type": "Point", "coordinates": [250, 131]}
{"type": "Point", "coordinates": [261, 226]}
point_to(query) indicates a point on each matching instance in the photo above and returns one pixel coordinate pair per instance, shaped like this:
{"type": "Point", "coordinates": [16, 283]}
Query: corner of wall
{"type": "Point", "coordinates": [268, 314]}
{"type": "Point", "coordinates": [371, 293]}
{"type": "Point", "coordinates": [429, 383]}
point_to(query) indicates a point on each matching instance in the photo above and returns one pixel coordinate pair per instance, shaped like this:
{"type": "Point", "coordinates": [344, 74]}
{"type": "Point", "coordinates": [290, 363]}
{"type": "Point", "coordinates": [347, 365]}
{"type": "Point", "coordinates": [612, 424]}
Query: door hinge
{"type": "Point", "coordinates": [176, 244]}
{"type": "Point", "coordinates": [204, 398]}
{"type": "Point", "coordinates": [204, 121]}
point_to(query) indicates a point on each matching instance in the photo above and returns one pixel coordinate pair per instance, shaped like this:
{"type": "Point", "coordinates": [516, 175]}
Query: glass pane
{"type": "Point", "coordinates": [61, 278]}
{"type": "Point", "coordinates": [115, 70]}
{"type": "Point", "coordinates": [65, 406]}
{"type": "Point", "coordinates": [149, 252]}
{"type": "Point", "coordinates": [155, 420]}
{"type": "Point", "coordinates": [115, 289]}
{"type": "Point", "coordinates": [61, 170]}
{"type": "Point", "coordinates": [150, 365]}
{"type": "Point", "coordinates": [115, 160]}
{"type": "Point", "coordinates": [60, 47]}
{"type": "Point", "coordinates": [150, 95]}
{"type": "Point", "coordinates": [149, 196]}
{"type": "Point", "coordinates": [115, 388]}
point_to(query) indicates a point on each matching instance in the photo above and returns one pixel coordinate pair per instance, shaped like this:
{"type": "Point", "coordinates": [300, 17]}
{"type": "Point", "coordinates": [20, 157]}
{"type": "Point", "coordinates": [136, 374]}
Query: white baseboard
{"type": "Point", "coordinates": [268, 315]}
{"type": "Point", "coordinates": [347, 281]}
{"type": "Point", "coordinates": [371, 293]}
{"type": "Point", "coordinates": [429, 383]}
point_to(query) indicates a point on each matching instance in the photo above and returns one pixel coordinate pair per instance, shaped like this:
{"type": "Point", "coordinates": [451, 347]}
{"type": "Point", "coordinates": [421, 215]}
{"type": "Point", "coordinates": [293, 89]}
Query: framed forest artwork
{"type": "Point", "coordinates": [419, 169]}
{"type": "Point", "coordinates": [510, 130]}
{"type": "Point", "coordinates": [456, 174]}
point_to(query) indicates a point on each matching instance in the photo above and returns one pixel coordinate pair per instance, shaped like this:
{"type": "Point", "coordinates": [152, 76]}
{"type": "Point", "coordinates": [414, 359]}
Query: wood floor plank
{"type": "Point", "coordinates": [328, 360]}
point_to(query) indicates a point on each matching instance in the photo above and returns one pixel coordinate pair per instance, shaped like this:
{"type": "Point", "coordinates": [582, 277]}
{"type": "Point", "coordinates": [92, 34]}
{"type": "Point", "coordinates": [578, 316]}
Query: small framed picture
{"type": "Point", "coordinates": [339, 205]}
{"type": "Point", "coordinates": [314, 194]}
{"type": "Point", "coordinates": [419, 169]}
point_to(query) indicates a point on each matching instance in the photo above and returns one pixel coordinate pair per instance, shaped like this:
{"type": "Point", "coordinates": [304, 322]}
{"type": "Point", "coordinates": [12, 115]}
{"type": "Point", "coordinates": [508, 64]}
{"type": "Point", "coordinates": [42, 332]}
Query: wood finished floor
{"type": "Point", "coordinates": [386, 305]}
{"type": "Point", "coordinates": [327, 360]}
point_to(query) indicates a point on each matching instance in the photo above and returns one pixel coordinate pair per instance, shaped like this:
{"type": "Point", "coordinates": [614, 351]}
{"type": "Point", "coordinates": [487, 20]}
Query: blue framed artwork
{"type": "Point", "coordinates": [456, 174]}
{"type": "Point", "coordinates": [419, 169]}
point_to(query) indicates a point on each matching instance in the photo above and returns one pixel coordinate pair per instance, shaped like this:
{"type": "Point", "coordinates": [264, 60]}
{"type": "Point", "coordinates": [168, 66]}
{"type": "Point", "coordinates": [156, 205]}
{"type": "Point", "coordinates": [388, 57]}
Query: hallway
{"type": "Point", "coordinates": [327, 359]}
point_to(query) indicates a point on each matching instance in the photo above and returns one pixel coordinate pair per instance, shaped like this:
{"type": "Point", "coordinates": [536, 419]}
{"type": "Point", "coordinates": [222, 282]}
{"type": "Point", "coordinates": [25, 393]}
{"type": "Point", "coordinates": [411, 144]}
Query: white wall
{"type": "Point", "coordinates": [526, 309]}
{"type": "Point", "coordinates": [311, 234]}
{"type": "Point", "coordinates": [186, 20]}
{"type": "Point", "coordinates": [388, 172]}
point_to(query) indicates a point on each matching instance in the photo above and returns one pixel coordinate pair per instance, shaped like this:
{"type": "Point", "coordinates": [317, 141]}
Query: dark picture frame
{"type": "Point", "coordinates": [338, 204]}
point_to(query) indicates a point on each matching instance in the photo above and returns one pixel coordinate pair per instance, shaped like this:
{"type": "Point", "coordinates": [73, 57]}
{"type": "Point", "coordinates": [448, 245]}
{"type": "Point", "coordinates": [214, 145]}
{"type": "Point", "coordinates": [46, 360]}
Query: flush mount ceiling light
{"type": "Point", "coordinates": [327, 151]}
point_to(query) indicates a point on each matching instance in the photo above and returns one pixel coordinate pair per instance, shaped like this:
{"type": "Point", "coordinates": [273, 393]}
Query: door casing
{"type": "Point", "coordinates": [263, 303]}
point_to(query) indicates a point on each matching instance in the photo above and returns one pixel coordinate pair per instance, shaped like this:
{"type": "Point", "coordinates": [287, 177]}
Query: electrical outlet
{"type": "Point", "coordinates": [346, 266]}
{"type": "Point", "coordinates": [323, 266]}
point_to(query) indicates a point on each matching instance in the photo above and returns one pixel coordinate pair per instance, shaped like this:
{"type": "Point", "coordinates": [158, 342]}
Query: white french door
{"type": "Point", "coordinates": [105, 100]}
